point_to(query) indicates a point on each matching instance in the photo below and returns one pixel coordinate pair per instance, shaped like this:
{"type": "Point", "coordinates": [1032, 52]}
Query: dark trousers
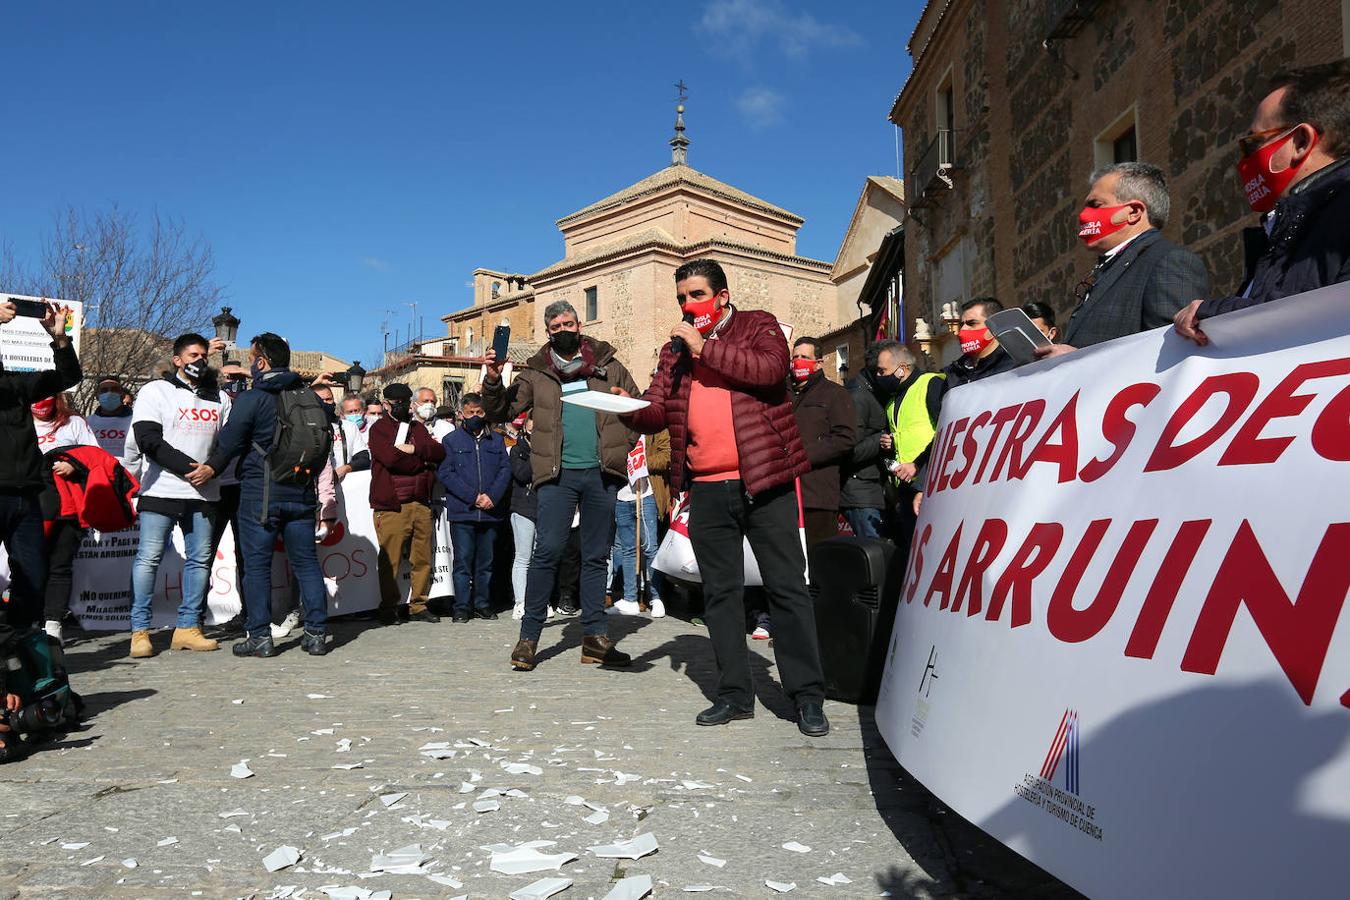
{"type": "Point", "coordinates": [21, 533]}
{"type": "Point", "coordinates": [593, 492]}
{"type": "Point", "coordinates": [719, 516]}
{"type": "Point", "coordinates": [820, 525]}
{"type": "Point", "coordinates": [475, 545]}
{"type": "Point", "coordinates": [228, 511]}
{"type": "Point", "coordinates": [63, 542]}
{"type": "Point", "coordinates": [294, 524]}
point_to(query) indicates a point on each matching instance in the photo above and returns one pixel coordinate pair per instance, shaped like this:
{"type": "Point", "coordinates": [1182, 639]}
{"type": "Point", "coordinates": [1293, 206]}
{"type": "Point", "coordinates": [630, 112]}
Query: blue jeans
{"type": "Point", "coordinates": [21, 533]}
{"type": "Point", "coordinates": [624, 553]}
{"type": "Point", "coordinates": [523, 530]}
{"type": "Point", "coordinates": [472, 571]}
{"type": "Point", "coordinates": [866, 523]}
{"type": "Point", "coordinates": [156, 529]}
{"type": "Point", "coordinates": [592, 491]}
{"type": "Point", "coordinates": [294, 524]}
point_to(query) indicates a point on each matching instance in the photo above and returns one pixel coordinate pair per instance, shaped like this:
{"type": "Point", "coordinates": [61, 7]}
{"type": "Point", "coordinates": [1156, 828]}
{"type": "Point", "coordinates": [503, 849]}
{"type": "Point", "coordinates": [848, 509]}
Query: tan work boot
{"type": "Point", "coordinates": [192, 639]}
{"type": "Point", "coordinates": [141, 647]}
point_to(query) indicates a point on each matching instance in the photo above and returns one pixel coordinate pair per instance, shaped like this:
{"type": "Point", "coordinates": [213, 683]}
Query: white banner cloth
{"type": "Point", "coordinates": [1120, 646]}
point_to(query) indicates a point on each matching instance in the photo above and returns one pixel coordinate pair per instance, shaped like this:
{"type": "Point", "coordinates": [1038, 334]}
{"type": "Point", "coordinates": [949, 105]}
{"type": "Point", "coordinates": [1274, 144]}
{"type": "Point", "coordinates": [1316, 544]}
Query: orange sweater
{"type": "Point", "coordinates": [712, 438]}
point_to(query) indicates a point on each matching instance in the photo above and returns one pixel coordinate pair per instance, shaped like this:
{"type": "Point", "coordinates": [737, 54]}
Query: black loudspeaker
{"type": "Point", "coordinates": [854, 588]}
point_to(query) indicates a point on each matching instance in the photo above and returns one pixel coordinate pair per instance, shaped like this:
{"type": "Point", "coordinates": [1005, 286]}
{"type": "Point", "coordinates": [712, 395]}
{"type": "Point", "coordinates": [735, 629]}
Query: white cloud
{"type": "Point", "coordinates": [760, 107]}
{"type": "Point", "coordinates": [742, 24]}
{"type": "Point", "coordinates": [371, 262]}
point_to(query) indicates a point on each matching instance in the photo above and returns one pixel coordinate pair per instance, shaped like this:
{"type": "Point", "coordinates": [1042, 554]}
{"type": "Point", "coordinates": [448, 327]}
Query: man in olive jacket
{"type": "Point", "coordinates": [579, 459]}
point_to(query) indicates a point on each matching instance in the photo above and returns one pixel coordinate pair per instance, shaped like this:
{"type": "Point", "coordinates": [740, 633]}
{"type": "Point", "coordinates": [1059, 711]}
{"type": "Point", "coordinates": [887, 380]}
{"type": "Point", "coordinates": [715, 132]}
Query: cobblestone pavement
{"type": "Point", "coordinates": [343, 751]}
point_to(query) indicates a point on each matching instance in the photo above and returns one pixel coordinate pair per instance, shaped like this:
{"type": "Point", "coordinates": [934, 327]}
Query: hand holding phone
{"type": "Point", "coordinates": [501, 341]}
{"type": "Point", "coordinates": [1017, 334]}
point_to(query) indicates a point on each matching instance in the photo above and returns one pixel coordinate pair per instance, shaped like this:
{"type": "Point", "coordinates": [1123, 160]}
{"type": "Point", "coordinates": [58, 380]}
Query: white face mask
{"type": "Point", "coordinates": [372, 418]}
{"type": "Point", "coordinates": [426, 411]}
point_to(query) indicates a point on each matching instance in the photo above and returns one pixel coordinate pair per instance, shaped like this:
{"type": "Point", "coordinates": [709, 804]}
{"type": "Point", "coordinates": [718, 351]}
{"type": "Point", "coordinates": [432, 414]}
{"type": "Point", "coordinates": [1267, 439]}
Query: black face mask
{"type": "Point", "coordinates": [888, 385]}
{"type": "Point", "coordinates": [401, 410]}
{"type": "Point", "coordinates": [565, 343]}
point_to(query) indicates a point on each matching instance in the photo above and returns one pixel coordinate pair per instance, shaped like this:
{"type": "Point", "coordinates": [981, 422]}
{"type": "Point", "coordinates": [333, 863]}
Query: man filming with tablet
{"type": "Point", "coordinates": [579, 459]}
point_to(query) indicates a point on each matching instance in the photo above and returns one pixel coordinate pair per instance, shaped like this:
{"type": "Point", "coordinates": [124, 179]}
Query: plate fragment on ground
{"type": "Point", "coordinates": [781, 887]}
{"type": "Point", "coordinates": [836, 880]}
{"type": "Point", "coordinates": [233, 813]}
{"type": "Point", "coordinates": [541, 889]}
{"type": "Point", "coordinates": [241, 770]}
{"type": "Point", "coordinates": [633, 888]}
{"type": "Point", "coordinates": [796, 847]}
{"type": "Point", "coordinates": [482, 806]}
{"type": "Point", "coordinates": [518, 860]}
{"type": "Point", "coordinates": [446, 880]}
{"type": "Point", "coordinates": [711, 860]}
{"type": "Point", "coordinates": [391, 799]}
{"type": "Point", "coordinates": [599, 817]}
{"type": "Point", "coordinates": [281, 858]}
{"type": "Point", "coordinates": [635, 848]}
{"type": "Point", "coordinates": [403, 861]}
{"type": "Point", "coordinates": [167, 842]}
{"type": "Point", "coordinates": [522, 769]}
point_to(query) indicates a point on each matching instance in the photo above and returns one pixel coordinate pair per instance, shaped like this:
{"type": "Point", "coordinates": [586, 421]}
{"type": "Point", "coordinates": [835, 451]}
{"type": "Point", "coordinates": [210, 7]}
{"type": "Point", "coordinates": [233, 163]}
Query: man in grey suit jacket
{"type": "Point", "coordinates": [1141, 278]}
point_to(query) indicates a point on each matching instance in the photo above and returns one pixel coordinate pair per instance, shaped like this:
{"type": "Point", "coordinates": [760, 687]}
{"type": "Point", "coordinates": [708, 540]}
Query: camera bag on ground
{"type": "Point", "coordinates": [35, 670]}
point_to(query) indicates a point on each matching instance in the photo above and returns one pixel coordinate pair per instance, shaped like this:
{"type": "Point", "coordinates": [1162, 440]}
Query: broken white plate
{"type": "Point", "coordinates": [711, 860]}
{"type": "Point", "coordinates": [521, 769]}
{"type": "Point", "coordinates": [76, 845]}
{"type": "Point", "coordinates": [241, 770]}
{"type": "Point", "coordinates": [281, 858]}
{"type": "Point", "coordinates": [129, 863]}
{"type": "Point", "coordinates": [483, 806]}
{"type": "Point", "coordinates": [349, 766]}
{"type": "Point", "coordinates": [599, 817]}
{"type": "Point", "coordinates": [233, 813]}
{"type": "Point", "coordinates": [446, 880]}
{"type": "Point", "coordinates": [697, 785]}
{"type": "Point", "coordinates": [344, 745]}
{"type": "Point", "coordinates": [781, 887]}
{"type": "Point", "coordinates": [702, 888]}
{"type": "Point", "coordinates": [633, 888]}
{"type": "Point", "coordinates": [541, 889]}
{"type": "Point", "coordinates": [317, 697]}
{"type": "Point", "coordinates": [391, 799]}
{"type": "Point", "coordinates": [635, 848]}
{"type": "Point", "coordinates": [836, 880]}
{"type": "Point", "coordinates": [403, 861]}
{"type": "Point", "coordinates": [527, 859]}
{"type": "Point", "coordinates": [167, 842]}
{"type": "Point", "coordinates": [796, 847]}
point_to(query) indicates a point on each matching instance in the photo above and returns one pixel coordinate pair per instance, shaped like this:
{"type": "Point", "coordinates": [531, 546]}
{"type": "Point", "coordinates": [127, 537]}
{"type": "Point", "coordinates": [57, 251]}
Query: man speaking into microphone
{"type": "Point", "coordinates": [721, 389]}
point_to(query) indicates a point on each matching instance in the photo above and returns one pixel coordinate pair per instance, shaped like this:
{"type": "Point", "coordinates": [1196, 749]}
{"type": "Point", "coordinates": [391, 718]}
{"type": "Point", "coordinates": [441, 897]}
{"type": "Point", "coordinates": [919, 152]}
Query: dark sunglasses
{"type": "Point", "coordinates": [1249, 144]}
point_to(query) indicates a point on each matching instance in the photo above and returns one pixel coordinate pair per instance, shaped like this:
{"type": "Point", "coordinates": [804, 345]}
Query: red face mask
{"type": "Point", "coordinates": [1094, 222]}
{"type": "Point", "coordinates": [803, 369]}
{"type": "Point", "coordinates": [1264, 187]}
{"type": "Point", "coordinates": [705, 312]}
{"type": "Point", "coordinates": [44, 409]}
{"type": "Point", "coordinates": [974, 340]}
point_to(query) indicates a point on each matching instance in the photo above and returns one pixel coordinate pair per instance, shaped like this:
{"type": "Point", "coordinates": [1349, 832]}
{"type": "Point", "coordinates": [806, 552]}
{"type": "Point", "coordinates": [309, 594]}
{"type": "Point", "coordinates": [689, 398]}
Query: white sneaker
{"type": "Point", "coordinates": [518, 611]}
{"type": "Point", "coordinates": [552, 612]}
{"type": "Point", "coordinates": [658, 609]}
{"type": "Point", "coordinates": [624, 608]}
{"type": "Point", "coordinates": [53, 628]}
{"type": "Point", "coordinates": [286, 626]}
{"type": "Point", "coordinates": [761, 632]}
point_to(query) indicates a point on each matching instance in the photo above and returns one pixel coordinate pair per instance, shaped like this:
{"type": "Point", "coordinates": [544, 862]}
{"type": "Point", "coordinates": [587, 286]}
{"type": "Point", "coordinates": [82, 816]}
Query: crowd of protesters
{"type": "Point", "coordinates": [534, 493]}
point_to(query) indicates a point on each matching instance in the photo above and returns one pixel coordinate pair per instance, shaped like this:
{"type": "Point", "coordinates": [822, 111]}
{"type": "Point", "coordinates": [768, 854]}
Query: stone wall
{"type": "Point", "coordinates": [1028, 118]}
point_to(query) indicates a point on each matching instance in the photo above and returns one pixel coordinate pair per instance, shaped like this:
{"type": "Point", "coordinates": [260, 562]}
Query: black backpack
{"type": "Point", "coordinates": [302, 438]}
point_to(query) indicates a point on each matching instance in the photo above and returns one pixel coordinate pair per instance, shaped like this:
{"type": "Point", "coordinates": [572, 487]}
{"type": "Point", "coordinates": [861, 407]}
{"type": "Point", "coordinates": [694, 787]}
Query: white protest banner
{"type": "Point", "coordinates": [637, 462]}
{"type": "Point", "coordinates": [1119, 647]}
{"type": "Point", "coordinates": [25, 346]}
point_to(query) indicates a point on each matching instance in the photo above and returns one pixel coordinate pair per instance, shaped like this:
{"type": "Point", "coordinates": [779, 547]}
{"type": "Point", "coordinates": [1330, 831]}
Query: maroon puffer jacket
{"type": "Point", "coordinates": [750, 352]}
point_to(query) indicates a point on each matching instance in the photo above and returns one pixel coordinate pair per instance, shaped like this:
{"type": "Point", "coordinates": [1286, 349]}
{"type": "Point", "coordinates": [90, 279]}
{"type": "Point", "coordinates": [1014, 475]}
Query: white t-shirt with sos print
{"type": "Point", "coordinates": [190, 425]}
{"type": "Point", "coordinates": [75, 432]}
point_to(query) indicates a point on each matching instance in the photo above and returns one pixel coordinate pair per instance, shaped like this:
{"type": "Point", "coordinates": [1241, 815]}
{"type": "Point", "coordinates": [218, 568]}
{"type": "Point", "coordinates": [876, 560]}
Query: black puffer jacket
{"type": "Point", "coordinates": [21, 465]}
{"type": "Point", "coordinates": [524, 500]}
{"type": "Point", "coordinates": [862, 486]}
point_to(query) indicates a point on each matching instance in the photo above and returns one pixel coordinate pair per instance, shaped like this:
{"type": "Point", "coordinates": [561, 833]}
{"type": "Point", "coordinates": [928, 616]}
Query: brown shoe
{"type": "Point", "coordinates": [597, 649]}
{"type": "Point", "coordinates": [522, 658]}
{"type": "Point", "coordinates": [191, 639]}
{"type": "Point", "coordinates": [141, 648]}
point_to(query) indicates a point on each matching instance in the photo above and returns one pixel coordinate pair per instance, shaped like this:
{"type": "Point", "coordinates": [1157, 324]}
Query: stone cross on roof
{"type": "Point", "coordinates": [679, 144]}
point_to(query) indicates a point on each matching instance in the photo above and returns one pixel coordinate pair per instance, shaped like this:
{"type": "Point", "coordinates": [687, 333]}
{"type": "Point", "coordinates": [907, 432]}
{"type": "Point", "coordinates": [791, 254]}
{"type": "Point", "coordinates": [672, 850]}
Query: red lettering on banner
{"type": "Point", "coordinates": [1240, 387]}
{"type": "Point", "coordinates": [1331, 433]}
{"type": "Point", "coordinates": [970, 448]}
{"type": "Point", "coordinates": [916, 562]}
{"type": "Point", "coordinates": [358, 560]}
{"type": "Point", "coordinates": [1064, 453]}
{"type": "Point", "coordinates": [1298, 633]}
{"type": "Point", "coordinates": [934, 471]}
{"type": "Point", "coordinates": [1001, 418]}
{"type": "Point", "coordinates": [1073, 625]}
{"type": "Point", "coordinates": [1118, 429]}
{"type": "Point", "coordinates": [950, 452]}
{"type": "Point", "coordinates": [988, 543]}
{"type": "Point", "coordinates": [1032, 557]}
{"type": "Point", "coordinates": [946, 570]}
{"type": "Point", "coordinates": [1248, 447]}
{"type": "Point", "coordinates": [1027, 420]}
{"type": "Point", "coordinates": [1157, 606]}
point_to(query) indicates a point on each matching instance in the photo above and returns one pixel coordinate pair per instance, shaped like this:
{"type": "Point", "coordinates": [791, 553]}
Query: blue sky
{"type": "Point", "coordinates": [344, 159]}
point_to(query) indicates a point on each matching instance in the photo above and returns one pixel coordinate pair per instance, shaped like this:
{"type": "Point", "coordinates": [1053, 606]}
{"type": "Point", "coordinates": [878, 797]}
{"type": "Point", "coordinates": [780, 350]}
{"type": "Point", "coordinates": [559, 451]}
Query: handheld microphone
{"type": "Point", "coordinates": [678, 344]}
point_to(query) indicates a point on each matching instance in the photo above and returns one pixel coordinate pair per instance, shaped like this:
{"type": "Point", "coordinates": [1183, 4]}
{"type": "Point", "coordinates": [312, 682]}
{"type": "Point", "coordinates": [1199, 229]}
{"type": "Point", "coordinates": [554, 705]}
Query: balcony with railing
{"type": "Point", "coordinates": [932, 173]}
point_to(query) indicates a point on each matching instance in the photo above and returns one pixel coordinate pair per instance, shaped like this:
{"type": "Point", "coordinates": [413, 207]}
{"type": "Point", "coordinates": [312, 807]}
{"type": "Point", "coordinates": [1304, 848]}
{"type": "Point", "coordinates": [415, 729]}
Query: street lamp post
{"type": "Point", "coordinates": [227, 329]}
{"type": "Point", "coordinates": [356, 378]}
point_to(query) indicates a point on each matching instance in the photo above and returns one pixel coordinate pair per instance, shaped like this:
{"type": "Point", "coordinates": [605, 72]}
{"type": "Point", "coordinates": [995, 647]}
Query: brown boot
{"type": "Point", "coordinates": [191, 639]}
{"type": "Point", "coordinates": [141, 647]}
{"type": "Point", "coordinates": [522, 658]}
{"type": "Point", "coordinates": [597, 649]}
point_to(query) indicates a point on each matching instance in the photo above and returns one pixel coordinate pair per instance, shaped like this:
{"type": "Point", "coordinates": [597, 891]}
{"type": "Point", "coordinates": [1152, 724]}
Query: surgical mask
{"type": "Point", "coordinates": [426, 411]}
{"type": "Point", "coordinates": [974, 340]}
{"type": "Point", "coordinates": [109, 400]}
{"type": "Point", "coordinates": [473, 423]}
{"type": "Point", "coordinates": [372, 418]}
{"type": "Point", "coordinates": [705, 312]}
{"type": "Point", "coordinates": [1094, 222]}
{"type": "Point", "coordinates": [1264, 187]}
{"type": "Point", "coordinates": [803, 369]}
{"type": "Point", "coordinates": [355, 418]}
{"type": "Point", "coordinates": [565, 343]}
